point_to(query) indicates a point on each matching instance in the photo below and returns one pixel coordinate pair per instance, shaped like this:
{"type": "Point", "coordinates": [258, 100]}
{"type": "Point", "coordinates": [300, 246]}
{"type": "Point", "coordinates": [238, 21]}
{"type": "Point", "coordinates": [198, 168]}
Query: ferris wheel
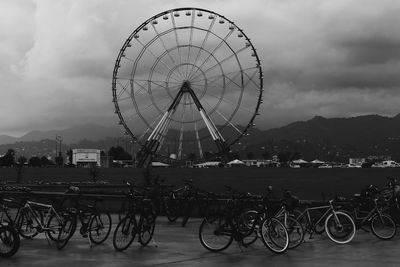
{"type": "Point", "coordinates": [187, 82]}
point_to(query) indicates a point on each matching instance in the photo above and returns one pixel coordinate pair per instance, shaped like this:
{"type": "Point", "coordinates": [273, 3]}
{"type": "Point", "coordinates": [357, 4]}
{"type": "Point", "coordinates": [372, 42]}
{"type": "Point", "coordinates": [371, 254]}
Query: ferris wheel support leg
{"type": "Point", "coordinates": [215, 134]}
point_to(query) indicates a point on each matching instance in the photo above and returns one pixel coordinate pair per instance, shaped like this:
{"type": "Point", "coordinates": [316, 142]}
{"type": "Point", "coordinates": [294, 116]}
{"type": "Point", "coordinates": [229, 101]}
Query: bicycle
{"type": "Point", "coordinates": [95, 225]}
{"type": "Point", "coordinates": [9, 237]}
{"type": "Point", "coordinates": [338, 225]}
{"type": "Point", "coordinates": [217, 232]}
{"type": "Point", "coordinates": [369, 211]}
{"type": "Point", "coordinates": [164, 200]}
{"type": "Point", "coordinates": [33, 218]}
{"type": "Point", "coordinates": [284, 214]}
{"type": "Point", "coordinates": [130, 225]}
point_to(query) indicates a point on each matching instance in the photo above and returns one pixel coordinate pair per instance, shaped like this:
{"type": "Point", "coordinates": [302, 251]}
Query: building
{"type": "Point", "coordinates": [86, 157]}
{"type": "Point", "coordinates": [257, 162]}
{"type": "Point", "coordinates": [356, 161]}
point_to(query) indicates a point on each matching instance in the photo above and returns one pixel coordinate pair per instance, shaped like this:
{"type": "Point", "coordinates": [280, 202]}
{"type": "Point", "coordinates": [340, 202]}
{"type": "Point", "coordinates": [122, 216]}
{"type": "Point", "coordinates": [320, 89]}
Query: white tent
{"type": "Point", "coordinates": [236, 162]}
{"type": "Point", "coordinates": [208, 164]}
{"type": "Point", "coordinates": [317, 161]}
{"type": "Point", "coordinates": [299, 161]}
{"type": "Point", "coordinates": [159, 164]}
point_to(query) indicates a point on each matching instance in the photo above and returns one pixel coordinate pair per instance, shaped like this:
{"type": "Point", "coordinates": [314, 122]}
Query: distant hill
{"type": "Point", "coordinates": [6, 139]}
{"type": "Point", "coordinates": [345, 137]}
{"type": "Point", "coordinates": [75, 134]}
{"type": "Point", "coordinates": [334, 139]}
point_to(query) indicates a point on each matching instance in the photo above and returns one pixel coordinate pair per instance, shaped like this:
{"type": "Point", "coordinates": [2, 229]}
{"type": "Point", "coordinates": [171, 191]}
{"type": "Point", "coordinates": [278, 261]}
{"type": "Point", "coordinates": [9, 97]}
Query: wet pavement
{"type": "Point", "coordinates": [177, 246]}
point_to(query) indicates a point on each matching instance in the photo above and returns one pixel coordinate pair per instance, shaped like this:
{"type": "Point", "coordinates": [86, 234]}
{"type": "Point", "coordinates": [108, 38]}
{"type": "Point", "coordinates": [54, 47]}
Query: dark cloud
{"type": "Point", "coordinates": [329, 58]}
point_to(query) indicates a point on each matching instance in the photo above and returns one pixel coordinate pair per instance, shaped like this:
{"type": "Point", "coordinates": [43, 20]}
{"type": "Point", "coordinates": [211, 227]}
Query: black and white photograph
{"type": "Point", "coordinates": [199, 133]}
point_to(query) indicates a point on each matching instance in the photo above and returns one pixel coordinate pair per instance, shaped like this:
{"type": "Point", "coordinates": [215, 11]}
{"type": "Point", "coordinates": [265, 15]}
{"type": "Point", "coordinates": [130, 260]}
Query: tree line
{"type": "Point", "coordinates": [10, 158]}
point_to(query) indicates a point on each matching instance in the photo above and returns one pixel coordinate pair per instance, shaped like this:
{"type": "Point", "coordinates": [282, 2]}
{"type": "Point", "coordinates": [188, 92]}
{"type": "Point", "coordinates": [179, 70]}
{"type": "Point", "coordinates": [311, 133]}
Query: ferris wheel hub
{"type": "Point", "coordinates": [185, 86]}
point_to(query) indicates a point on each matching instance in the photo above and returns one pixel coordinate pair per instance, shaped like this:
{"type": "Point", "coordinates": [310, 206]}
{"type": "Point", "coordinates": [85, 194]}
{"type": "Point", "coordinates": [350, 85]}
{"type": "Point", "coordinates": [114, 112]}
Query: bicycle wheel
{"type": "Point", "coordinates": [274, 235]}
{"type": "Point", "coordinates": [187, 206]}
{"type": "Point", "coordinates": [125, 233]}
{"type": "Point", "coordinates": [54, 225]}
{"type": "Point", "coordinates": [147, 225]}
{"type": "Point", "coordinates": [27, 226]}
{"type": "Point", "coordinates": [215, 233]}
{"type": "Point", "coordinates": [9, 241]}
{"type": "Point", "coordinates": [340, 228]}
{"type": "Point", "coordinates": [294, 229]}
{"type": "Point", "coordinates": [172, 208]}
{"type": "Point", "coordinates": [66, 232]}
{"type": "Point", "coordinates": [247, 225]}
{"type": "Point", "coordinates": [383, 226]}
{"type": "Point", "coordinates": [123, 211]}
{"type": "Point", "coordinates": [99, 227]}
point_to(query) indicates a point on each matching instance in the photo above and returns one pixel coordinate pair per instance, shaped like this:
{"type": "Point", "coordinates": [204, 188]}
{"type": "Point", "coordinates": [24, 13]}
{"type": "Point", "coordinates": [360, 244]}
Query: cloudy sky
{"type": "Point", "coordinates": [328, 58]}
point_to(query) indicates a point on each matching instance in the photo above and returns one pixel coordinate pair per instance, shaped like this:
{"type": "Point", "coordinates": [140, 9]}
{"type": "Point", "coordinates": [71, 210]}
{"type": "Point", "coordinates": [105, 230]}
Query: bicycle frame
{"type": "Point", "coordinates": [310, 223]}
{"type": "Point", "coordinates": [363, 219]}
{"type": "Point", "coordinates": [36, 216]}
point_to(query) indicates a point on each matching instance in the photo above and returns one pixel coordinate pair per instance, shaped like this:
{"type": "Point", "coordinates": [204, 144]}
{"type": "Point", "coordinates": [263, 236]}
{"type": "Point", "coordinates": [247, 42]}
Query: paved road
{"type": "Point", "coordinates": [177, 246]}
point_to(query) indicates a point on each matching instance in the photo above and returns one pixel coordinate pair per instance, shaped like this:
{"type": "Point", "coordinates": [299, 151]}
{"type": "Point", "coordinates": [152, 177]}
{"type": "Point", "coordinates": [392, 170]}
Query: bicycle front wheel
{"type": "Point", "coordinates": [54, 225]}
{"type": "Point", "coordinates": [99, 227]}
{"type": "Point", "coordinates": [247, 225]}
{"type": "Point", "coordinates": [66, 232]}
{"type": "Point", "coordinates": [9, 241]}
{"type": "Point", "coordinates": [172, 208]}
{"type": "Point", "coordinates": [215, 233]}
{"type": "Point", "coordinates": [146, 231]}
{"type": "Point", "coordinates": [274, 235]}
{"type": "Point", "coordinates": [27, 225]}
{"type": "Point", "coordinates": [125, 233]}
{"type": "Point", "coordinates": [294, 229]}
{"type": "Point", "coordinates": [340, 228]}
{"type": "Point", "coordinates": [383, 226]}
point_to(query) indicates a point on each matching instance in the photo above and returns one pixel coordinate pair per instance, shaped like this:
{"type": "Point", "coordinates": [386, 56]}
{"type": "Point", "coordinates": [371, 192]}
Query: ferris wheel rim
{"type": "Point", "coordinates": [171, 11]}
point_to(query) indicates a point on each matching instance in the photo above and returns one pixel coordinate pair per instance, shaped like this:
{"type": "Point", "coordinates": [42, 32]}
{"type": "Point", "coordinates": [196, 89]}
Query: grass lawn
{"type": "Point", "coordinates": [305, 183]}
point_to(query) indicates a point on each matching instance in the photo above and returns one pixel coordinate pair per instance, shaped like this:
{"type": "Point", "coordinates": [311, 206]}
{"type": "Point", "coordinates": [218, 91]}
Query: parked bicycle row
{"type": "Point", "coordinates": [239, 216]}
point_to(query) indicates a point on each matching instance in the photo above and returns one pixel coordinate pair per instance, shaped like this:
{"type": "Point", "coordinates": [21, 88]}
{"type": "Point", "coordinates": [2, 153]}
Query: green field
{"type": "Point", "coordinates": [306, 183]}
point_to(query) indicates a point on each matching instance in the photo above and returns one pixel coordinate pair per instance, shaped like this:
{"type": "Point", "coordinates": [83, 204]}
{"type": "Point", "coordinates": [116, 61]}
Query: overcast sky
{"type": "Point", "coordinates": [331, 58]}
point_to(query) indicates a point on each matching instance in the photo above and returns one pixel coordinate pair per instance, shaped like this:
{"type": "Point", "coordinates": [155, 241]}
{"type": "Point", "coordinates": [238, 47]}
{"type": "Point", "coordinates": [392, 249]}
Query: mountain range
{"type": "Point", "coordinates": [325, 138]}
{"type": "Point", "coordinates": [92, 132]}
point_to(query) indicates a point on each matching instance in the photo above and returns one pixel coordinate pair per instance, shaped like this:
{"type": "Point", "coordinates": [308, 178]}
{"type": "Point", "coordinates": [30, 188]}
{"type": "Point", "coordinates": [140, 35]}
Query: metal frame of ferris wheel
{"type": "Point", "coordinates": [158, 134]}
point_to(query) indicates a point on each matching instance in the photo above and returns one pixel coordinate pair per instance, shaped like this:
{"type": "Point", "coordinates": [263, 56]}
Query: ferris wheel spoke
{"type": "Point", "coordinates": [211, 53]}
{"type": "Point", "coordinates": [176, 37]}
{"type": "Point", "coordinates": [132, 117]}
{"type": "Point", "coordinates": [230, 103]}
{"type": "Point", "coordinates": [182, 127]}
{"type": "Point", "coordinates": [159, 37]}
{"type": "Point", "coordinates": [203, 42]}
{"type": "Point", "coordinates": [196, 131]}
{"type": "Point", "coordinates": [164, 86]}
{"type": "Point", "coordinates": [148, 68]}
{"type": "Point", "coordinates": [221, 75]}
{"type": "Point", "coordinates": [223, 61]}
{"type": "Point", "coordinates": [190, 43]}
{"type": "Point", "coordinates": [152, 53]}
{"type": "Point", "coordinates": [124, 89]}
{"type": "Point", "coordinates": [231, 80]}
{"type": "Point", "coordinates": [150, 127]}
{"type": "Point", "coordinates": [152, 70]}
{"type": "Point", "coordinates": [251, 78]}
{"type": "Point", "coordinates": [147, 80]}
{"type": "Point", "coordinates": [226, 119]}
